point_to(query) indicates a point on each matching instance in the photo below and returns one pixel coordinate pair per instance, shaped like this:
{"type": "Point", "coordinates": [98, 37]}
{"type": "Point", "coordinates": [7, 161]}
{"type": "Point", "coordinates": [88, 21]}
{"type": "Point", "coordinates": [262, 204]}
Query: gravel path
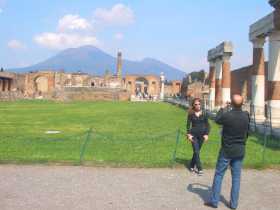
{"type": "Point", "coordinates": [67, 187]}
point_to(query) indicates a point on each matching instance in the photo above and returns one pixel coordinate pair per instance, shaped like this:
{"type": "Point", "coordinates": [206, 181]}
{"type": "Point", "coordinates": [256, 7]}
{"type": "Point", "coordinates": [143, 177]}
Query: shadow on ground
{"type": "Point", "coordinates": [203, 191]}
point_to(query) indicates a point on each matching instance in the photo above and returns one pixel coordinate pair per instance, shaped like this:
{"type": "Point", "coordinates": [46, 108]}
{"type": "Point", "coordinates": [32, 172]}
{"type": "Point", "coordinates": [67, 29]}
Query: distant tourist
{"type": "Point", "coordinates": [197, 132]}
{"type": "Point", "coordinates": [235, 124]}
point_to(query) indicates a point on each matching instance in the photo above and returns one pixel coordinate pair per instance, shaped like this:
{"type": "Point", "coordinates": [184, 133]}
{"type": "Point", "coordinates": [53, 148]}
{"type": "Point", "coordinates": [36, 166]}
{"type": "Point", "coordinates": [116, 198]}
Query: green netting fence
{"type": "Point", "coordinates": [91, 147]}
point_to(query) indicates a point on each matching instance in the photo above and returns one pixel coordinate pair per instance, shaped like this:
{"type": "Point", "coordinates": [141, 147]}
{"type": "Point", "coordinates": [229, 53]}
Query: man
{"type": "Point", "coordinates": [235, 124]}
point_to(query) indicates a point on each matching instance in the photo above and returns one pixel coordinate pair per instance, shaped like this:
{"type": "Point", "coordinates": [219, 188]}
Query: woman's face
{"type": "Point", "coordinates": [197, 106]}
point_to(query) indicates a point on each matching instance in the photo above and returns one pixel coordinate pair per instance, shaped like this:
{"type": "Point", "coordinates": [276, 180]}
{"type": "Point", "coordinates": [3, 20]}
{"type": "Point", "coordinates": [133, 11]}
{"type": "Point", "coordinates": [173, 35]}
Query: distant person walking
{"type": "Point", "coordinates": [197, 132]}
{"type": "Point", "coordinates": [235, 124]}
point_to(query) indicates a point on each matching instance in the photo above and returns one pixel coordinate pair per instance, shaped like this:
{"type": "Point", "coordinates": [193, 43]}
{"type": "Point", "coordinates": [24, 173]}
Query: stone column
{"type": "Point", "coordinates": [4, 85]}
{"type": "Point", "coordinates": [212, 86]}
{"type": "Point", "coordinates": [162, 86]}
{"type": "Point", "coordinates": [218, 83]}
{"type": "Point", "coordinates": [274, 77]}
{"type": "Point", "coordinates": [133, 87]}
{"type": "Point", "coordinates": [9, 84]}
{"type": "Point", "coordinates": [225, 79]}
{"type": "Point", "coordinates": [119, 65]}
{"type": "Point", "coordinates": [258, 80]}
{"type": "Point", "coordinates": [1, 85]}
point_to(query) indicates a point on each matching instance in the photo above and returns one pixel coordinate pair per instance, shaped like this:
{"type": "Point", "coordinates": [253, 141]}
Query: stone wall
{"type": "Point", "coordinates": [11, 96]}
{"type": "Point", "coordinates": [92, 94]}
{"type": "Point", "coordinates": [197, 90]}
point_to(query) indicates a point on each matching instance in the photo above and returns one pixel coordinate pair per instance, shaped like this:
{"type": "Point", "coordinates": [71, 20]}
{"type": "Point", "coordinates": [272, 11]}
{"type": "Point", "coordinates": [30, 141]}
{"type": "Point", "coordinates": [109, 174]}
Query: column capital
{"type": "Point", "coordinates": [226, 57]}
{"type": "Point", "coordinates": [274, 36]}
{"type": "Point", "coordinates": [275, 3]}
{"type": "Point", "coordinates": [258, 42]}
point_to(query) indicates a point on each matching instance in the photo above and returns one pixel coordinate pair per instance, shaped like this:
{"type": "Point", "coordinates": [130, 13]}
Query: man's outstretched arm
{"type": "Point", "coordinates": [220, 116]}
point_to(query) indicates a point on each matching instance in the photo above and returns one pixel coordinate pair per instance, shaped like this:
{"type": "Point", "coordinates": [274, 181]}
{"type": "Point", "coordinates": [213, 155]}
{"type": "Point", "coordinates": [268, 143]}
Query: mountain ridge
{"type": "Point", "coordinates": [92, 60]}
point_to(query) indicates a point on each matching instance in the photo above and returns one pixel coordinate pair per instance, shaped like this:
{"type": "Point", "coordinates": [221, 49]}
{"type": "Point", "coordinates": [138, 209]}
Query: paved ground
{"type": "Point", "coordinates": [66, 187]}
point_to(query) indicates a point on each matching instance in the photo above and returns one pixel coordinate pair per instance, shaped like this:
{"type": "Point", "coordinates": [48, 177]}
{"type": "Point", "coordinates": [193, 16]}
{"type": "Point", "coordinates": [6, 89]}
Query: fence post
{"type": "Point", "coordinates": [270, 122]}
{"type": "Point", "coordinates": [254, 117]}
{"type": "Point", "coordinates": [264, 143]}
{"type": "Point", "coordinates": [175, 149]}
{"type": "Point", "coordinates": [84, 145]}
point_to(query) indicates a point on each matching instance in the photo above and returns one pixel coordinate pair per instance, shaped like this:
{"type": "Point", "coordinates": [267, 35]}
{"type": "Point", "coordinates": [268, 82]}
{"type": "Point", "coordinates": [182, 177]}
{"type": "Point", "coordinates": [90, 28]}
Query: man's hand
{"type": "Point", "coordinates": [205, 138]}
{"type": "Point", "coordinates": [190, 137]}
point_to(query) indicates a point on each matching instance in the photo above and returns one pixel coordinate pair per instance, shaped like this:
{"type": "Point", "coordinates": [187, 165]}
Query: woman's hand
{"type": "Point", "coordinates": [205, 138]}
{"type": "Point", "coordinates": [190, 137]}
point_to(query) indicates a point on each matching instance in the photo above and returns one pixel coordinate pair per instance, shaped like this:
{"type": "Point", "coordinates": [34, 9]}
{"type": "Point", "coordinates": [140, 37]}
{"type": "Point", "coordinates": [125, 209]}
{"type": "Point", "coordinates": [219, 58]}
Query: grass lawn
{"type": "Point", "coordinates": [123, 134]}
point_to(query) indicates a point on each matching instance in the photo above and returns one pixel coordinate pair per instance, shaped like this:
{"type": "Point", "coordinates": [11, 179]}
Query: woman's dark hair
{"type": "Point", "coordinates": [191, 109]}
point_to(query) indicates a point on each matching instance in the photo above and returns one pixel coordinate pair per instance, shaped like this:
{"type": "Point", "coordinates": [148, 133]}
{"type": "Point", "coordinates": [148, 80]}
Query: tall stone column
{"type": "Point", "coordinates": [212, 85]}
{"type": "Point", "coordinates": [218, 82]}
{"type": "Point", "coordinates": [274, 77]}
{"type": "Point", "coordinates": [1, 85]}
{"type": "Point", "coordinates": [119, 65]}
{"type": "Point", "coordinates": [133, 87]}
{"type": "Point", "coordinates": [226, 79]}
{"type": "Point", "coordinates": [258, 80]}
{"type": "Point", "coordinates": [162, 78]}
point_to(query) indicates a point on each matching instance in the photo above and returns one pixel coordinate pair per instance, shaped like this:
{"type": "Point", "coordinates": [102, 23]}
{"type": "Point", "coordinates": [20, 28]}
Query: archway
{"type": "Point", "coordinates": [141, 87]}
{"type": "Point", "coordinates": [41, 84]}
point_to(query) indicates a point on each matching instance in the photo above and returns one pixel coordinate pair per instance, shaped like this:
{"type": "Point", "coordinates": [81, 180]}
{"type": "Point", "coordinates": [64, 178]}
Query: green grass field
{"type": "Point", "coordinates": [123, 134]}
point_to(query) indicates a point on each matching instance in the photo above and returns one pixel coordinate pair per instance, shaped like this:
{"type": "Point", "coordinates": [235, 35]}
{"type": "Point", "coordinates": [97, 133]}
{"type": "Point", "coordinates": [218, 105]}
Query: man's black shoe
{"type": "Point", "coordinates": [229, 206]}
{"type": "Point", "coordinates": [209, 204]}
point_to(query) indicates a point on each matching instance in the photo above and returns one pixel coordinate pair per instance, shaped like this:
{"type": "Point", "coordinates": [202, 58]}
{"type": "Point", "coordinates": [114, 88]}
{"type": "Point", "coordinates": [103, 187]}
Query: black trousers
{"type": "Point", "coordinates": [196, 145]}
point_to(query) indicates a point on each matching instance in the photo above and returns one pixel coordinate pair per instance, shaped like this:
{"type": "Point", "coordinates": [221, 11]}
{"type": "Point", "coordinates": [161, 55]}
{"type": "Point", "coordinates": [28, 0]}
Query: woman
{"type": "Point", "coordinates": [197, 132]}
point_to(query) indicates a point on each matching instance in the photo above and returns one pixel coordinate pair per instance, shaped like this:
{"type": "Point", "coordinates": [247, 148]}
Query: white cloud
{"type": "Point", "coordinates": [118, 36]}
{"type": "Point", "coordinates": [64, 40]}
{"type": "Point", "coordinates": [74, 31]}
{"type": "Point", "coordinates": [73, 22]}
{"type": "Point", "coordinates": [119, 14]}
{"type": "Point", "coordinates": [16, 45]}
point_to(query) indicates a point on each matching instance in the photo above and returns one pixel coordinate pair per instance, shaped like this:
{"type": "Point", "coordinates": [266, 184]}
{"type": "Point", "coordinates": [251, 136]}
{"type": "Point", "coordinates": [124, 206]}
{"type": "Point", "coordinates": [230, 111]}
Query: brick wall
{"type": "Point", "coordinates": [241, 81]}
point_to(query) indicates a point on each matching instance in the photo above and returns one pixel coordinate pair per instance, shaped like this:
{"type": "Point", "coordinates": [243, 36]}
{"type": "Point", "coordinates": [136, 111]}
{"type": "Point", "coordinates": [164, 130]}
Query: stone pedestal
{"type": "Point", "coordinates": [226, 80]}
{"type": "Point", "coordinates": [162, 78]}
{"type": "Point", "coordinates": [258, 80]}
{"type": "Point", "coordinates": [274, 77]}
{"type": "Point", "coordinates": [218, 83]}
{"type": "Point", "coordinates": [212, 86]}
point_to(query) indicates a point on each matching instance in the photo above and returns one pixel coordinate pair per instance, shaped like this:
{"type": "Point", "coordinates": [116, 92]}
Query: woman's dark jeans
{"type": "Point", "coordinates": [196, 145]}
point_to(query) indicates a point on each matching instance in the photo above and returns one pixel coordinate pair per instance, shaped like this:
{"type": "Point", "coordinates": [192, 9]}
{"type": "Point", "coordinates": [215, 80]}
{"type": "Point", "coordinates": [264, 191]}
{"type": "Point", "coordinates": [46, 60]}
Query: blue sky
{"type": "Point", "coordinates": [178, 32]}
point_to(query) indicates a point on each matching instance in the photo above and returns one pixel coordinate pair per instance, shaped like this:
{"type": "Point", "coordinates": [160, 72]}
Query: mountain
{"type": "Point", "coordinates": [94, 61]}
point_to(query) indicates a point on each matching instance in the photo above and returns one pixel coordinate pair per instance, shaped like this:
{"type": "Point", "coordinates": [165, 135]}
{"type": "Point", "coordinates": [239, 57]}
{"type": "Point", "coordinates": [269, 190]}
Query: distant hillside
{"type": "Point", "coordinates": [94, 61]}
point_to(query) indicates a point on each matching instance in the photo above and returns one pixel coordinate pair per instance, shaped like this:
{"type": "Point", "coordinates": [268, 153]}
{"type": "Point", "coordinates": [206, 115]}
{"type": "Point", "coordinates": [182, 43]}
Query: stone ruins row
{"type": "Point", "coordinates": [64, 86]}
{"type": "Point", "coordinates": [265, 90]}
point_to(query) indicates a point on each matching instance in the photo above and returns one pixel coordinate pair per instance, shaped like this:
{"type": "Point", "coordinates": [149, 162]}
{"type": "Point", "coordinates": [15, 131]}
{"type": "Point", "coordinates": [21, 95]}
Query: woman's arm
{"type": "Point", "coordinates": [188, 126]}
{"type": "Point", "coordinates": [207, 124]}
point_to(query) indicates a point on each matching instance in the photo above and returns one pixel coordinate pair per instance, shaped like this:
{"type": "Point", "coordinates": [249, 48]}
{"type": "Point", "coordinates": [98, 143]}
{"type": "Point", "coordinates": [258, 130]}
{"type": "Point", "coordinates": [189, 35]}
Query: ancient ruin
{"type": "Point", "coordinates": [59, 85]}
{"type": "Point", "coordinates": [219, 75]}
{"type": "Point", "coordinates": [259, 83]}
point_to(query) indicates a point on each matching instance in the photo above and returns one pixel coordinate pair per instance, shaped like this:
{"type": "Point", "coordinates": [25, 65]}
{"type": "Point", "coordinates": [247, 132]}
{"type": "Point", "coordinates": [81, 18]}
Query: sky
{"type": "Point", "coordinates": [177, 32]}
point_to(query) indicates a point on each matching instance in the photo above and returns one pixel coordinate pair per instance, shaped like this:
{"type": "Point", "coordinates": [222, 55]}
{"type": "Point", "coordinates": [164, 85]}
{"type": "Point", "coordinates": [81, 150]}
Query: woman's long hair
{"type": "Point", "coordinates": [191, 109]}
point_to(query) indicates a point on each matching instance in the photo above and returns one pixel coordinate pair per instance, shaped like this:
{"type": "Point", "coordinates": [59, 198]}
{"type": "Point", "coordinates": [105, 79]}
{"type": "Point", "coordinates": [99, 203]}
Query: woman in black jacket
{"type": "Point", "coordinates": [197, 132]}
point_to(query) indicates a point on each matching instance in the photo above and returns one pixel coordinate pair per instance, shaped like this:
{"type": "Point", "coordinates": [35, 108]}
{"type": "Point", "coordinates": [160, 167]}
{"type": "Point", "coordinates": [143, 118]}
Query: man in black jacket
{"type": "Point", "coordinates": [235, 124]}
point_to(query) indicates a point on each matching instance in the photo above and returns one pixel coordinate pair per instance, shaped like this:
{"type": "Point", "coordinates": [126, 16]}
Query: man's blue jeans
{"type": "Point", "coordinates": [221, 167]}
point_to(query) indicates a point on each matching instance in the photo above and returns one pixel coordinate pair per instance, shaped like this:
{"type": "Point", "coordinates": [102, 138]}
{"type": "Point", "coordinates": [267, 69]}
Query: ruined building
{"type": "Point", "coordinates": [59, 85]}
